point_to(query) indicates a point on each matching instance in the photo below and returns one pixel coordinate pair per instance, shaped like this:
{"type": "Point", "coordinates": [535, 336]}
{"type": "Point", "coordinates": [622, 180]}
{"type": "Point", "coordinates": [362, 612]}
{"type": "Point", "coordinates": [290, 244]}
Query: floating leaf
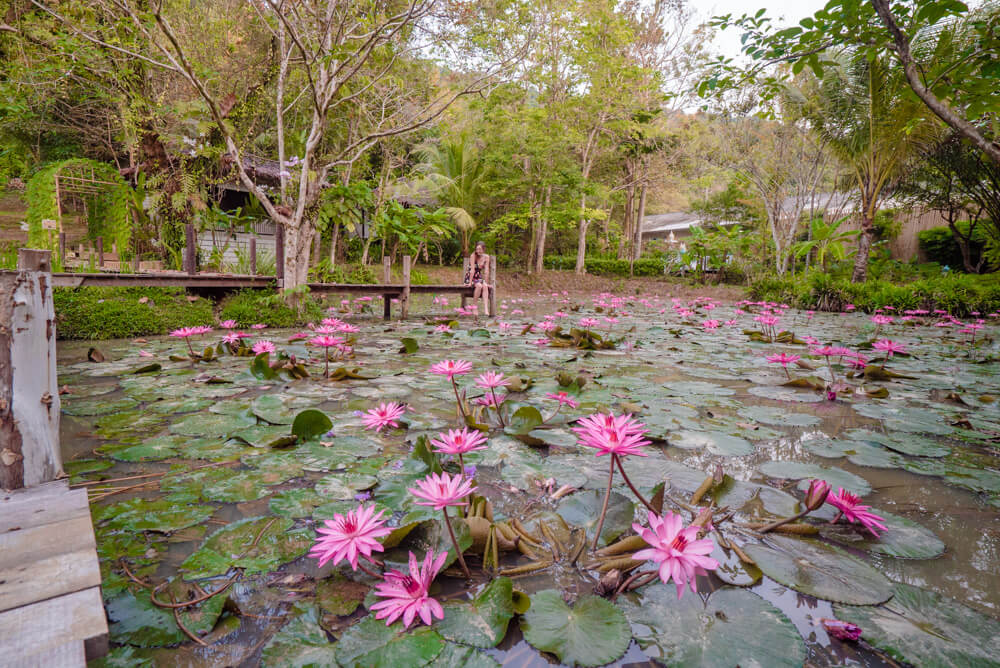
{"type": "Point", "coordinates": [591, 633]}
{"type": "Point", "coordinates": [922, 628]}
{"type": "Point", "coordinates": [410, 346]}
{"type": "Point", "coordinates": [905, 538]}
{"type": "Point", "coordinates": [820, 570]}
{"type": "Point", "coordinates": [734, 627]}
{"type": "Point", "coordinates": [201, 424]}
{"type": "Point", "coordinates": [583, 509]}
{"type": "Point", "coordinates": [805, 471]}
{"type": "Point", "coordinates": [311, 423]}
{"type": "Point", "coordinates": [300, 643]}
{"type": "Point", "coordinates": [460, 656]}
{"type": "Point", "coordinates": [135, 620]}
{"type": "Point", "coordinates": [481, 622]}
{"type": "Point", "coordinates": [257, 545]}
{"type": "Point", "coordinates": [715, 442]}
{"type": "Point", "coordinates": [372, 644]}
{"type": "Point", "coordinates": [151, 515]}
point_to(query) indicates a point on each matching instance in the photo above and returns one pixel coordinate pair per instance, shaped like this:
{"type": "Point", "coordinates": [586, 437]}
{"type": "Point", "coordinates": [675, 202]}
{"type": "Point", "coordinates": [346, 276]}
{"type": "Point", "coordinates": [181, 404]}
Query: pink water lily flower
{"type": "Point", "coordinates": [441, 491]}
{"type": "Point", "coordinates": [263, 346]}
{"type": "Point", "coordinates": [350, 536]}
{"type": "Point", "coordinates": [853, 510]}
{"type": "Point", "coordinates": [491, 380]}
{"type": "Point", "coordinates": [784, 359]}
{"type": "Point", "coordinates": [563, 399]}
{"type": "Point", "coordinates": [619, 435]}
{"type": "Point", "coordinates": [228, 324]}
{"type": "Point", "coordinates": [451, 368]}
{"type": "Point", "coordinates": [407, 596]}
{"type": "Point", "coordinates": [459, 441]}
{"type": "Point", "coordinates": [678, 551]}
{"type": "Point", "coordinates": [384, 415]}
{"type": "Point", "coordinates": [184, 332]}
{"type": "Point", "coordinates": [889, 347]}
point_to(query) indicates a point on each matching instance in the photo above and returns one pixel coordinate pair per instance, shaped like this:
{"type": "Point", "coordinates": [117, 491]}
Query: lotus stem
{"type": "Point", "coordinates": [526, 569]}
{"type": "Point", "coordinates": [458, 550]}
{"type": "Point", "coordinates": [365, 569]}
{"type": "Point", "coordinates": [765, 528]}
{"type": "Point", "coordinates": [604, 506]}
{"type": "Point", "coordinates": [702, 490]}
{"type": "Point", "coordinates": [461, 408]}
{"type": "Point", "coordinates": [628, 482]}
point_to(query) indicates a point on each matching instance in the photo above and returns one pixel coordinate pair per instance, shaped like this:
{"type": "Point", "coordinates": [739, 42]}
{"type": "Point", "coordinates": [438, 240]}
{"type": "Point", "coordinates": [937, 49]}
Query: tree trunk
{"type": "Point", "coordinates": [581, 243]}
{"type": "Point", "coordinates": [334, 240]}
{"type": "Point", "coordinates": [627, 224]}
{"type": "Point", "coordinates": [637, 238]}
{"type": "Point", "coordinates": [865, 239]}
{"type": "Point", "coordinates": [543, 226]}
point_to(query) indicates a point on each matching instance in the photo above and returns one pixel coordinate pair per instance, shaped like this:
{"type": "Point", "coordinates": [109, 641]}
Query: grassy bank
{"type": "Point", "coordinates": [959, 294]}
{"type": "Point", "coordinates": [113, 313]}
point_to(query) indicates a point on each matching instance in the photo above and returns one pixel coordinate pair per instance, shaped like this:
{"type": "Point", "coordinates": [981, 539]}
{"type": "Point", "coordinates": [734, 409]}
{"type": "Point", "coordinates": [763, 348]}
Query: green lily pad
{"type": "Point", "coordinates": [78, 469]}
{"type": "Point", "coordinates": [905, 538]}
{"type": "Point", "coordinates": [339, 596]}
{"type": "Point", "coordinates": [591, 633]}
{"type": "Point", "coordinates": [211, 424]}
{"type": "Point", "coordinates": [922, 628]}
{"type": "Point", "coordinates": [820, 570]}
{"type": "Point", "coordinates": [583, 509]}
{"type": "Point", "coordinates": [735, 627]}
{"type": "Point", "coordinates": [151, 515]}
{"type": "Point", "coordinates": [343, 486]}
{"type": "Point", "coordinates": [715, 442]}
{"type": "Point", "coordinates": [460, 656]}
{"type": "Point", "coordinates": [262, 435]}
{"type": "Point", "coordinates": [98, 406]}
{"type": "Point", "coordinates": [135, 620]}
{"type": "Point", "coordinates": [295, 503]}
{"type": "Point", "coordinates": [778, 416]}
{"type": "Point", "coordinates": [155, 449]}
{"type": "Point", "coordinates": [805, 472]}
{"type": "Point", "coordinates": [481, 622]}
{"type": "Point", "coordinates": [301, 643]}
{"type": "Point", "coordinates": [311, 423]}
{"type": "Point", "coordinates": [372, 644]}
{"type": "Point", "coordinates": [234, 546]}
{"type": "Point", "coordinates": [242, 486]}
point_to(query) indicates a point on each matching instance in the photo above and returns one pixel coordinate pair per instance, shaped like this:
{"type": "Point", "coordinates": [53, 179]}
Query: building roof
{"type": "Point", "coordinates": [663, 223]}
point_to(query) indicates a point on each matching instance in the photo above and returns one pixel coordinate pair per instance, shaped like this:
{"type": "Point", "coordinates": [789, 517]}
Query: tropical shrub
{"type": "Point", "coordinates": [608, 266]}
{"type": "Point", "coordinates": [116, 313]}
{"type": "Point", "coordinates": [938, 244]}
{"type": "Point", "coordinates": [248, 307]}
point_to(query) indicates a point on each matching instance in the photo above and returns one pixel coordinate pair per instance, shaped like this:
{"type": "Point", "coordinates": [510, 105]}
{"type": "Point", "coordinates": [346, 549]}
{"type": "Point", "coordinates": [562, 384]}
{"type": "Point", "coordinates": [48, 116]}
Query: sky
{"type": "Point", "coordinates": [727, 42]}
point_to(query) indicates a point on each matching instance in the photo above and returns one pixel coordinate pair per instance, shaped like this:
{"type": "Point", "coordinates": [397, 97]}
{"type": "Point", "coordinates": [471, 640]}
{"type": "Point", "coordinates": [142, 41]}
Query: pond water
{"type": "Point", "coordinates": [219, 495]}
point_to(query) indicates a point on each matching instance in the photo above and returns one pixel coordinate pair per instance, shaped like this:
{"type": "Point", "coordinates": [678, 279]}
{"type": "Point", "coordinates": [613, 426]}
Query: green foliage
{"type": "Point", "coordinates": [248, 307]}
{"type": "Point", "coordinates": [109, 212]}
{"type": "Point", "coordinates": [325, 272]}
{"type": "Point", "coordinates": [114, 313]}
{"type": "Point", "coordinates": [600, 266]}
{"type": "Point", "coordinates": [959, 294]}
{"type": "Point", "coordinates": [825, 241]}
{"type": "Point", "coordinates": [938, 244]}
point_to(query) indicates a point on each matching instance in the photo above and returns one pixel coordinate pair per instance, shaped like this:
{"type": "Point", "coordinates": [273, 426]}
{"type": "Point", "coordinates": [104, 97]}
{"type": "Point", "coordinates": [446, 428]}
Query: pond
{"type": "Point", "coordinates": [209, 474]}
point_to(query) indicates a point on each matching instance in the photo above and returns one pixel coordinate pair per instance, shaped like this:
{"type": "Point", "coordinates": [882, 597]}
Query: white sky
{"type": "Point", "coordinates": [728, 42]}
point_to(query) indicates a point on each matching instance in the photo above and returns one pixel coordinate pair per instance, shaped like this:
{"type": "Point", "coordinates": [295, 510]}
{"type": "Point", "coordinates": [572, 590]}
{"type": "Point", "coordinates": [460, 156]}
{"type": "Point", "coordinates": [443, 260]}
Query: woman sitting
{"type": "Point", "coordinates": [479, 276]}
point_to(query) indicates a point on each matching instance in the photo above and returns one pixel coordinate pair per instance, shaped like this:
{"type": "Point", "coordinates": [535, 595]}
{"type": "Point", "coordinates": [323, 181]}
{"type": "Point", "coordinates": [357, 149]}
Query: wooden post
{"type": "Point", "coordinates": [62, 249]}
{"type": "Point", "coordinates": [404, 299]}
{"type": "Point", "coordinates": [135, 262]}
{"type": "Point", "coordinates": [253, 255]}
{"type": "Point", "coordinates": [100, 252]}
{"type": "Point", "coordinates": [493, 286]}
{"type": "Point", "coordinates": [190, 249]}
{"type": "Point", "coordinates": [386, 278]}
{"type": "Point", "coordinates": [465, 271]}
{"type": "Point", "coordinates": [279, 254]}
{"type": "Point", "coordinates": [29, 390]}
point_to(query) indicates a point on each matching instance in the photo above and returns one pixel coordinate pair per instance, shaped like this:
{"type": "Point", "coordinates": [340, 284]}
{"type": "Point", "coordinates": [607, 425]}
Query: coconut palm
{"type": "Point", "coordinates": [826, 239]}
{"type": "Point", "coordinates": [865, 112]}
{"type": "Point", "coordinates": [453, 171]}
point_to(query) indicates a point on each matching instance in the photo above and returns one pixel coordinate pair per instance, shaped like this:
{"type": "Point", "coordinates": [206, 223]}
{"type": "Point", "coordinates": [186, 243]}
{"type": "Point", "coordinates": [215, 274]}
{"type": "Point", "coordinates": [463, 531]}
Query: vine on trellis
{"type": "Point", "coordinates": [109, 216]}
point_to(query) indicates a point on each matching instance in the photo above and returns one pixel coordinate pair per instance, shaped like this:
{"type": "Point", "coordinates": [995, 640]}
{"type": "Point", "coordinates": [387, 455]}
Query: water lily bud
{"type": "Point", "coordinates": [718, 475]}
{"type": "Point", "coordinates": [817, 493]}
{"type": "Point", "coordinates": [841, 630]}
{"type": "Point", "coordinates": [609, 583]}
{"type": "Point", "coordinates": [704, 519]}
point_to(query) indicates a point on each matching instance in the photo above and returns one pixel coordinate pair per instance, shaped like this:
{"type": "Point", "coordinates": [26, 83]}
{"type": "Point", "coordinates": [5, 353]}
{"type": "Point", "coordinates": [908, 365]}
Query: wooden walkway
{"type": "Point", "coordinates": [51, 610]}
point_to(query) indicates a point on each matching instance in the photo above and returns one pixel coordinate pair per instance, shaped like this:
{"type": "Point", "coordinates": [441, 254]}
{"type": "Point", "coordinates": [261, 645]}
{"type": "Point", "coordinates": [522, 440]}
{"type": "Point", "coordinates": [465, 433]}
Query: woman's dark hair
{"type": "Point", "coordinates": [480, 243]}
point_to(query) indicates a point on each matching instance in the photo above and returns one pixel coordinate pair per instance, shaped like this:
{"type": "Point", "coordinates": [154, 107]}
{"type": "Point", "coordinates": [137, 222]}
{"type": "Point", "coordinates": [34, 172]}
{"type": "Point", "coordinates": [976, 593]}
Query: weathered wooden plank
{"type": "Point", "coordinates": [41, 505]}
{"type": "Point", "coordinates": [28, 582]}
{"type": "Point", "coordinates": [27, 545]}
{"type": "Point", "coordinates": [42, 627]}
{"type": "Point", "coordinates": [67, 655]}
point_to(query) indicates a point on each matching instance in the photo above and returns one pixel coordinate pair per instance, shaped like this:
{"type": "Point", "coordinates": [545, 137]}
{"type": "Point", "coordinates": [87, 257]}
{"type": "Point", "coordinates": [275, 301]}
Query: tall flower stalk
{"type": "Point", "coordinates": [619, 436]}
{"type": "Point", "coordinates": [441, 491]}
{"type": "Point", "coordinates": [452, 368]}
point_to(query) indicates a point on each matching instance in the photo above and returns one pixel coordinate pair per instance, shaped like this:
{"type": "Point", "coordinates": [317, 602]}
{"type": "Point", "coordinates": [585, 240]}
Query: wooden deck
{"type": "Point", "coordinates": [51, 610]}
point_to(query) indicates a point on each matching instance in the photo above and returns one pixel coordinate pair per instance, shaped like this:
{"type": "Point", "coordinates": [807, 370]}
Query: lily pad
{"type": "Point", "coordinates": [343, 486]}
{"type": "Point", "coordinates": [257, 545]}
{"type": "Point", "coordinates": [296, 503]}
{"type": "Point", "coordinates": [805, 471]}
{"type": "Point", "coordinates": [136, 621]}
{"type": "Point", "coordinates": [905, 538]}
{"type": "Point", "coordinates": [311, 423]}
{"type": "Point", "coordinates": [98, 406]}
{"type": "Point", "coordinates": [481, 622]}
{"type": "Point", "coordinates": [907, 444]}
{"type": "Point", "coordinates": [151, 515]}
{"type": "Point", "coordinates": [715, 442]}
{"type": "Point", "coordinates": [778, 416]}
{"type": "Point", "coordinates": [372, 644]}
{"type": "Point", "coordinates": [591, 633]}
{"type": "Point", "coordinates": [242, 486]}
{"type": "Point", "coordinates": [300, 643]}
{"type": "Point", "coordinates": [460, 656]}
{"type": "Point", "coordinates": [211, 424]}
{"type": "Point", "coordinates": [923, 628]}
{"type": "Point", "coordinates": [583, 509]}
{"type": "Point", "coordinates": [820, 570]}
{"type": "Point", "coordinates": [735, 627]}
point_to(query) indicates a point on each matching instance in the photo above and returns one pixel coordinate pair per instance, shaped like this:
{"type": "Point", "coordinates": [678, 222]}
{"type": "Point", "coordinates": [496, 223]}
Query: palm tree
{"type": "Point", "coordinates": [454, 172]}
{"type": "Point", "coordinates": [826, 240]}
{"type": "Point", "coordinates": [863, 109]}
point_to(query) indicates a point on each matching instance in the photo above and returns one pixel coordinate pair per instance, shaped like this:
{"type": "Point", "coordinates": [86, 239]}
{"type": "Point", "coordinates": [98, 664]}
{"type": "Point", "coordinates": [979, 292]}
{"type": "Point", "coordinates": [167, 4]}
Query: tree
{"type": "Point", "coordinates": [361, 62]}
{"type": "Point", "coordinates": [946, 53]}
{"type": "Point", "coordinates": [860, 111]}
{"type": "Point", "coordinates": [455, 175]}
{"type": "Point", "coordinates": [826, 241]}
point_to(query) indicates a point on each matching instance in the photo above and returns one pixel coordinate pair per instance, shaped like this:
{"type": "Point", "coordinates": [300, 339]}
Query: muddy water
{"type": "Point", "coordinates": [963, 520]}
